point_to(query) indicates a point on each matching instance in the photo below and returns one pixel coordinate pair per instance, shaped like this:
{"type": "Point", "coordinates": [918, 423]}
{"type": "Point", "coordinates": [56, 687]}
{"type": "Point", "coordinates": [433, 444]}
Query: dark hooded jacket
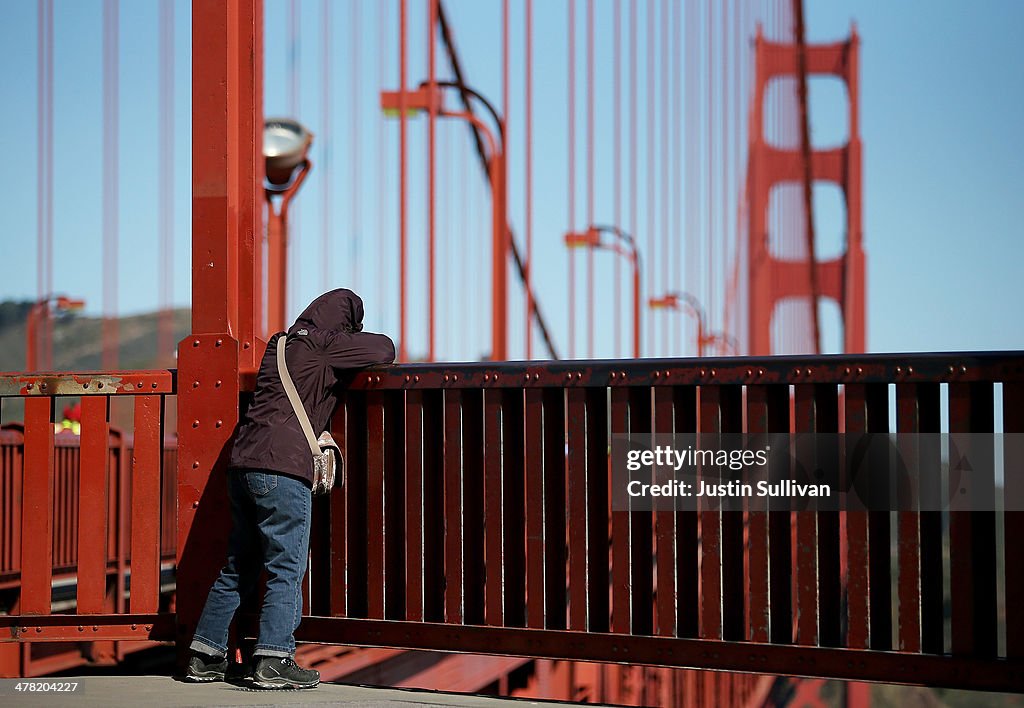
{"type": "Point", "coordinates": [324, 342]}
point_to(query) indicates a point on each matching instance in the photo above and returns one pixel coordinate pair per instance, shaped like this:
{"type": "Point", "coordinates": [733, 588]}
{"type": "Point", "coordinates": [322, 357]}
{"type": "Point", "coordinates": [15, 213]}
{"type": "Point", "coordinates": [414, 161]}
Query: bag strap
{"type": "Point", "coordinates": [293, 396]}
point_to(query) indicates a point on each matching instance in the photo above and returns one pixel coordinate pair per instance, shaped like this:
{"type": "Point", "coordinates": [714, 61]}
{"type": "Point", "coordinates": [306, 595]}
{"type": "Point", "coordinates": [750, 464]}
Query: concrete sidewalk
{"type": "Point", "coordinates": [154, 691]}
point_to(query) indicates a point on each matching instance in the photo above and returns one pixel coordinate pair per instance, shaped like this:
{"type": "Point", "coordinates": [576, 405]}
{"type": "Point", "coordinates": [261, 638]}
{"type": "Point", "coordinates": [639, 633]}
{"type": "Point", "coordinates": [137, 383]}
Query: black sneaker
{"type": "Point", "coordinates": [283, 672]}
{"type": "Point", "coordinates": [203, 668]}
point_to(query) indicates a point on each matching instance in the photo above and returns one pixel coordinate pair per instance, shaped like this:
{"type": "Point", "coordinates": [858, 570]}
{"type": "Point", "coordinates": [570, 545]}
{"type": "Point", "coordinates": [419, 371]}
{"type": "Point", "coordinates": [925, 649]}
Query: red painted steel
{"type": "Point", "coordinates": [771, 279]}
{"type": "Point", "coordinates": [666, 536]}
{"type": "Point", "coordinates": [596, 569]}
{"type": "Point", "coordinates": [145, 508]}
{"type": "Point", "coordinates": [92, 505]}
{"type": "Point", "coordinates": [37, 513]}
{"type": "Point", "coordinates": [225, 96]}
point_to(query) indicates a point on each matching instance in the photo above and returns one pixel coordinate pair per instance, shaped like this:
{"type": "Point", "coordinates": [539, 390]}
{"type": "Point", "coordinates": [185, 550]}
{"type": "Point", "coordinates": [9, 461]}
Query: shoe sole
{"type": "Point", "coordinates": [279, 686]}
{"type": "Point", "coordinates": [203, 679]}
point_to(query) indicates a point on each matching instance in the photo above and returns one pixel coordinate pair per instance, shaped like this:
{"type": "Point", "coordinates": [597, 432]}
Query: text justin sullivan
{"type": "Point", "coordinates": [678, 488]}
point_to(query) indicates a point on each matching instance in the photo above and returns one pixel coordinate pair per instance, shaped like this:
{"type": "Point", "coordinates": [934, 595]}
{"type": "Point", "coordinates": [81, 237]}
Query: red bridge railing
{"type": "Point", "coordinates": [95, 511]}
{"type": "Point", "coordinates": [476, 517]}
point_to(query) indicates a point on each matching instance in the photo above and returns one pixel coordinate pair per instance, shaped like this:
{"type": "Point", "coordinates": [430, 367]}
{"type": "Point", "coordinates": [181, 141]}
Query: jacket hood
{"type": "Point", "coordinates": [339, 310]}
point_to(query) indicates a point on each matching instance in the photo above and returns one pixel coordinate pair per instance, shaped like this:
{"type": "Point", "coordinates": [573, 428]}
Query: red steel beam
{"type": "Point", "coordinates": [226, 51]}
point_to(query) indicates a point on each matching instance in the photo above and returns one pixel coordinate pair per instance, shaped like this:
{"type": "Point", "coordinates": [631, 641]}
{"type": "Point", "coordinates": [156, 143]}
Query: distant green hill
{"type": "Point", "coordinates": [78, 342]}
{"type": "Point", "coordinates": [78, 346]}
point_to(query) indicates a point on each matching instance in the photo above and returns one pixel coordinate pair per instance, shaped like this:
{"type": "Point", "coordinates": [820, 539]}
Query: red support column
{"type": "Point", "coordinates": [770, 279]}
{"type": "Point", "coordinates": [226, 128]}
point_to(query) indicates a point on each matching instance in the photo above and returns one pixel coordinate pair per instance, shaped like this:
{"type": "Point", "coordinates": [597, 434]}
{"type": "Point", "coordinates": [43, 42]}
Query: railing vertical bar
{"type": "Point", "coordinates": [733, 590]}
{"type": "Point", "coordinates": [535, 542]}
{"type": "Point", "coordinates": [414, 435]}
{"type": "Point", "coordinates": [857, 586]}
{"type": "Point", "coordinates": [433, 506]}
{"type": "Point", "coordinates": [514, 507]}
{"type": "Point", "coordinates": [357, 492]}
{"type": "Point", "coordinates": [684, 403]}
{"type": "Point", "coordinates": [37, 515]}
{"type": "Point", "coordinates": [92, 504]}
{"type": "Point", "coordinates": [621, 587]}
{"type": "Point", "coordinates": [597, 508]}
{"type": "Point", "coordinates": [665, 535]}
{"type": "Point", "coordinates": [806, 528]}
{"type": "Point", "coordinates": [337, 507]}
{"type": "Point", "coordinates": [780, 535]}
{"type": "Point", "coordinates": [830, 582]}
{"type": "Point", "coordinates": [375, 504]}
{"type": "Point", "coordinates": [554, 508]}
{"type": "Point", "coordinates": [453, 506]}
{"type": "Point", "coordinates": [931, 527]}
{"type": "Point", "coordinates": [577, 491]}
{"type": "Point", "coordinates": [908, 532]}
{"type": "Point", "coordinates": [641, 541]}
{"type": "Point", "coordinates": [757, 524]}
{"type": "Point", "coordinates": [473, 510]}
{"type": "Point", "coordinates": [1013, 517]}
{"type": "Point", "coordinates": [972, 533]}
{"type": "Point", "coordinates": [395, 591]}
{"type": "Point", "coordinates": [145, 508]}
{"type": "Point", "coordinates": [879, 531]}
{"type": "Point", "coordinates": [710, 403]}
{"type": "Point", "coordinates": [493, 502]}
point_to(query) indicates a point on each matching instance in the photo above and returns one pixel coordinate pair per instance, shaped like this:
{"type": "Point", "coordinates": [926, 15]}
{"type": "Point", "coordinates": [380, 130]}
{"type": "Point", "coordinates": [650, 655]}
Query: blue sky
{"type": "Point", "coordinates": [942, 103]}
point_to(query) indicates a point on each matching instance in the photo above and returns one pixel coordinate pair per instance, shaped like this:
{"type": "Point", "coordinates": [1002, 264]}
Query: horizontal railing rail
{"type": "Point", "coordinates": [89, 508]}
{"type": "Point", "coordinates": [476, 517]}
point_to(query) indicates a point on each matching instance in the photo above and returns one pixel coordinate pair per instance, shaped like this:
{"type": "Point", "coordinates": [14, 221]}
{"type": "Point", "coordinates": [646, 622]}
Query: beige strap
{"type": "Point", "coordinates": [293, 396]}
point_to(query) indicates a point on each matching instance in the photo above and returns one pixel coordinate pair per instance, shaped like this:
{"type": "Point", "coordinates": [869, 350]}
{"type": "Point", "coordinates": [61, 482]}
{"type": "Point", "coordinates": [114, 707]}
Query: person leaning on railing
{"type": "Point", "coordinates": [270, 478]}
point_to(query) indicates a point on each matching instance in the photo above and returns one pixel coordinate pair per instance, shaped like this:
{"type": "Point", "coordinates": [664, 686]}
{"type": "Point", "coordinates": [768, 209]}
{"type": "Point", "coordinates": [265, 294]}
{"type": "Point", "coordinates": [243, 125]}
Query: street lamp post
{"type": "Point", "coordinates": [428, 98]}
{"type": "Point", "coordinates": [686, 302]}
{"type": "Point", "coordinates": [625, 246]}
{"type": "Point", "coordinates": [38, 314]}
{"type": "Point", "coordinates": [286, 154]}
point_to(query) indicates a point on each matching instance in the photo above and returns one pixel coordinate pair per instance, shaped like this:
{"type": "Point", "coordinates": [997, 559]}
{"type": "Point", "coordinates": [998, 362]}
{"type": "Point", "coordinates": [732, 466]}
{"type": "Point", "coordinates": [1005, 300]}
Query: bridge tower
{"type": "Point", "coordinates": [770, 279]}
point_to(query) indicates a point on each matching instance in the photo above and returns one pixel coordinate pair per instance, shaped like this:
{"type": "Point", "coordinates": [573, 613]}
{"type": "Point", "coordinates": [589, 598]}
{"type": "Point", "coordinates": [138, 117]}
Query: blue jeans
{"type": "Point", "coordinates": [270, 516]}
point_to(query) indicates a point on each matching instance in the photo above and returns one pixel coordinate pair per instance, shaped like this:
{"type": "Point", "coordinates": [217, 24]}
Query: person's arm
{"type": "Point", "coordinates": [354, 350]}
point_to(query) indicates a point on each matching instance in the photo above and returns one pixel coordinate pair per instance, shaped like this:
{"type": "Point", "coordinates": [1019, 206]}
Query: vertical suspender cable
{"type": "Point", "coordinates": [326, 135]}
{"type": "Point", "coordinates": [617, 161]}
{"type": "Point", "coordinates": [529, 179]}
{"type": "Point", "coordinates": [633, 220]}
{"type": "Point", "coordinates": [382, 172]}
{"type": "Point", "coordinates": [690, 125]}
{"type": "Point", "coordinates": [165, 337]}
{"type": "Point", "coordinates": [726, 193]}
{"type": "Point", "coordinates": [403, 345]}
{"type": "Point", "coordinates": [805, 149]}
{"type": "Point", "coordinates": [355, 157]}
{"type": "Point", "coordinates": [49, 176]}
{"type": "Point", "coordinates": [677, 181]}
{"type": "Point", "coordinates": [110, 182]}
{"type": "Point", "coordinates": [667, 236]}
{"type": "Point", "coordinates": [44, 179]}
{"type": "Point", "coordinates": [431, 183]}
{"type": "Point", "coordinates": [709, 302]}
{"type": "Point", "coordinates": [572, 175]}
{"type": "Point", "coordinates": [652, 256]}
{"type": "Point", "coordinates": [590, 175]}
{"type": "Point", "coordinates": [293, 229]}
{"type": "Point", "coordinates": [506, 189]}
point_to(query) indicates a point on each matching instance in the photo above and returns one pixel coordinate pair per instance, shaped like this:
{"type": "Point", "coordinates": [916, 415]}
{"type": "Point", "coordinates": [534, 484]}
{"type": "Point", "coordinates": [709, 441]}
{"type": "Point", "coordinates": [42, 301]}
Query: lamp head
{"type": "Point", "coordinates": [285, 146]}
